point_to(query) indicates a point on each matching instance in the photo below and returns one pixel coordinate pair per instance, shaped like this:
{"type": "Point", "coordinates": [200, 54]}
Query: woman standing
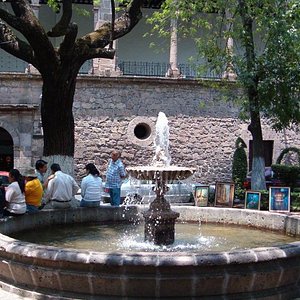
{"type": "Point", "coordinates": [14, 195]}
{"type": "Point", "coordinates": [91, 187]}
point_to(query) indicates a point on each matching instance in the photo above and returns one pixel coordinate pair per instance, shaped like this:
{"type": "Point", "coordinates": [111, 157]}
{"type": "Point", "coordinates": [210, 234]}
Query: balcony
{"type": "Point", "coordinates": [157, 69]}
{"type": "Point", "coordinates": [8, 63]}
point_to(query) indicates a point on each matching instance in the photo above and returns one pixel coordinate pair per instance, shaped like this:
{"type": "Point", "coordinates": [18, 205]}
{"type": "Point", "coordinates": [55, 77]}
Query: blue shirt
{"type": "Point", "coordinates": [114, 172]}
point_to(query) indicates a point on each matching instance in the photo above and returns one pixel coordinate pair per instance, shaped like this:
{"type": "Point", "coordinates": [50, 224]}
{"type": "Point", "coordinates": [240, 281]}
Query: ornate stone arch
{"type": "Point", "coordinates": [13, 132]}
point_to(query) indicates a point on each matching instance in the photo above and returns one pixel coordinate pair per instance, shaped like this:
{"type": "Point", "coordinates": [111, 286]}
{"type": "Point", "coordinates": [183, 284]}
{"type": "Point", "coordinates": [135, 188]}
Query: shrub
{"type": "Point", "coordinates": [239, 164]}
{"type": "Point", "coordinates": [286, 151]}
{"type": "Point", "coordinates": [289, 174]}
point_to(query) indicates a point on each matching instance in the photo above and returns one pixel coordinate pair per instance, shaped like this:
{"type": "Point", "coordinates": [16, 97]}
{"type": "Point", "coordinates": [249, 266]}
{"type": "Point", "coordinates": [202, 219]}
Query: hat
{"type": "Point", "coordinates": [30, 172]}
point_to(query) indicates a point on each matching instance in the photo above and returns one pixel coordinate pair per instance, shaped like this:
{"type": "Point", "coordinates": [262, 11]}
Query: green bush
{"type": "Point", "coordinates": [239, 163]}
{"type": "Point", "coordinates": [264, 200]}
{"type": "Point", "coordinates": [286, 173]}
{"type": "Point", "coordinates": [295, 201]}
{"type": "Point", "coordinates": [285, 151]}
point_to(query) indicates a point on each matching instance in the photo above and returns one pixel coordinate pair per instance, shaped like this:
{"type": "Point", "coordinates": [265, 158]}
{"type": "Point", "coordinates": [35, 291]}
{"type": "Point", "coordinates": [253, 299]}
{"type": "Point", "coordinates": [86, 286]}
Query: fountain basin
{"type": "Point", "coordinates": [33, 269]}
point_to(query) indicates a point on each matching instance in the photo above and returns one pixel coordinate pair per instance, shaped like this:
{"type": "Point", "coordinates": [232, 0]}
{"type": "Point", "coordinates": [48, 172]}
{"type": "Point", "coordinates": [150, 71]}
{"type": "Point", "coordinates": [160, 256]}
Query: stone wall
{"type": "Point", "coordinates": [20, 117]}
{"type": "Point", "coordinates": [203, 127]}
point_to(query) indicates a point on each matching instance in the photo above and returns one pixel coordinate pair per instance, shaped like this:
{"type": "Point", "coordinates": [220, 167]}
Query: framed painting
{"type": "Point", "coordinates": [252, 200]}
{"type": "Point", "coordinates": [279, 199]}
{"type": "Point", "coordinates": [201, 195]}
{"type": "Point", "coordinates": [224, 194]}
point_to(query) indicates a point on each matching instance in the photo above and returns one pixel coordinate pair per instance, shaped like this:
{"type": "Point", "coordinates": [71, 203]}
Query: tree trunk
{"type": "Point", "coordinates": [258, 163]}
{"type": "Point", "coordinates": [57, 118]}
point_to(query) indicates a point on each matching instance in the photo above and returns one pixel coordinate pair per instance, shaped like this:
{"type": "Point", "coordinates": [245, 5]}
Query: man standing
{"type": "Point", "coordinates": [61, 188]}
{"type": "Point", "coordinates": [114, 175]}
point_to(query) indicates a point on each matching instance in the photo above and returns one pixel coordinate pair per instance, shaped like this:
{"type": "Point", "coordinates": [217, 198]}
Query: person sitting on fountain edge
{"type": "Point", "coordinates": [61, 188]}
{"type": "Point", "coordinates": [114, 174]}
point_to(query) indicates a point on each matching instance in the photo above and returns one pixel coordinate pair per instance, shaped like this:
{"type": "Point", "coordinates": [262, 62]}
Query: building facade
{"type": "Point", "coordinates": [120, 113]}
{"type": "Point", "coordinates": [113, 111]}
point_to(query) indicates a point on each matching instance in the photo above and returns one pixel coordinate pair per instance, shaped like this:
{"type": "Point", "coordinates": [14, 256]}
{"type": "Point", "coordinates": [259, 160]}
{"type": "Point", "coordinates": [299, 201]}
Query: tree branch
{"type": "Point", "coordinates": [13, 45]}
{"type": "Point", "coordinates": [101, 53]}
{"type": "Point", "coordinates": [124, 24]}
{"type": "Point", "coordinates": [69, 40]}
{"type": "Point", "coordinates": [11, 20]}
{"type": "Point", "coordinates": [32, 30]}
{"type": "Point", "coordinates": [61, 28]}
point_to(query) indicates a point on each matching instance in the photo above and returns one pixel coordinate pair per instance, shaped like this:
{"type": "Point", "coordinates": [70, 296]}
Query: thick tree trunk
{"type": "Point", "coordinates": [57, 117]}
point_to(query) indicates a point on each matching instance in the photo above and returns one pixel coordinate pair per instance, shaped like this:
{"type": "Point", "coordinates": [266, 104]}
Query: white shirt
{"type": "Point", "coordinates": [91, 188]}
{"type": "Point", "coordinates": [62, 187]}
{"type": "Point", "coordinates": [15, 198]}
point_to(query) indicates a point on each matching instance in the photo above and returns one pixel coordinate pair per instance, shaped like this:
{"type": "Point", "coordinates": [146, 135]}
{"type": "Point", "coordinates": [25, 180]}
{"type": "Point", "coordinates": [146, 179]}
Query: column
{"type": "Point", "coordinates": [173, 71]}
{"type": "Point", "coordinates": [229, 72]}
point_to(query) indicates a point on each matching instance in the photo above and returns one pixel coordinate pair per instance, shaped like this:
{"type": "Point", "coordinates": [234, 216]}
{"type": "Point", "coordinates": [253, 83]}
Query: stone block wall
{"type": "Point", "coordinates": [203, 126]}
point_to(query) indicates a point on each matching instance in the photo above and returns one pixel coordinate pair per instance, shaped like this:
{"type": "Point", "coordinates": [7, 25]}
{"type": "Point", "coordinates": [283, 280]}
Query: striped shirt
{"type": "Point", "coordinates": [114, 172]}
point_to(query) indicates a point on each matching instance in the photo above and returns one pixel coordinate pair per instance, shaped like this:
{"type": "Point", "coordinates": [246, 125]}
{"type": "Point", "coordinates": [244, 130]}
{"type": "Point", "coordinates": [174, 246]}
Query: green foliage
{"type": "Point", "coordinates": [81, 11]}
{"type": "Point", "coordinates": [295, 201]}
{"type": "Point", "coordinates": [239, 163]}
{"type": "Point", "coordinates": [273, 69]}
{"type": "Point", "coordinates": [239, 192]}
{"type": "Point", "coordinates": [54, 4]}
{"type": "Point", "coordinates": [264, 200]}
{"type": "Point", "coordinates": [287, 173]}
{"type": "Point", "coordinates": [286, 151]}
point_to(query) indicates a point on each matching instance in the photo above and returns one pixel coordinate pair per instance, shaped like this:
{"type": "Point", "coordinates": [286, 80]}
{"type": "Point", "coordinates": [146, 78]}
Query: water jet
{"type": "Point", "coordinates": [160, 219]}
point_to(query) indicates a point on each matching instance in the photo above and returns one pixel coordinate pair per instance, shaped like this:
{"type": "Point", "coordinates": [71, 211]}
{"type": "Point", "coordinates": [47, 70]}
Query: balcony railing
{"type": "Point", "coordinates": [9, 63]}
{"type": "Point", "coordinates": [156, 69]}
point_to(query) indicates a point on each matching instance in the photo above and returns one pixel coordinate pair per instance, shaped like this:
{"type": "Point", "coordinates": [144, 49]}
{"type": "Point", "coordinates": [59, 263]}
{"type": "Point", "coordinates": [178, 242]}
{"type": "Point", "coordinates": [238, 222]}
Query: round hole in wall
{"type": "Point", "coordinates": [142, 131]}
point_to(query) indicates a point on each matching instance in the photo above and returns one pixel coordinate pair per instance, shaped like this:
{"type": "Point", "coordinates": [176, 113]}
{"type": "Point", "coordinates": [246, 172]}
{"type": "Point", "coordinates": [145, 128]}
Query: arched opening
{"type": "Point", "coordinates": [6, 151]}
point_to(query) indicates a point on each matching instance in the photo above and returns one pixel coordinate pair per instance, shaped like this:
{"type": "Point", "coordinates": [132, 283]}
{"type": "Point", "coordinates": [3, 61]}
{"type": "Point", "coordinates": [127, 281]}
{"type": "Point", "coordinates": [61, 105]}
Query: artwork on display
{"type": "Point", "coordinates": [279, 199]}
{"type": "Point", "coordinates": [201, 195]}
{"type": "Point", "coordinates": [252, 200]}
{"type": "Point", "coordinates": [224, 194]}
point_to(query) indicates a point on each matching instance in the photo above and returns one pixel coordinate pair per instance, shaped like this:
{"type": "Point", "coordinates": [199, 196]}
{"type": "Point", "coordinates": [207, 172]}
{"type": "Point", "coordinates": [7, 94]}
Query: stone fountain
{"type": "Point", "coordinates": [37, 271]}
{"type": "Point", "coordinates": [160, 219]}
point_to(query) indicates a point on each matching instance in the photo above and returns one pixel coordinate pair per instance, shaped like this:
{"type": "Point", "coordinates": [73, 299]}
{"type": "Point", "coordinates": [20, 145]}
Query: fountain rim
{"type": "Point", "coordinates": [215, 258]}
{"type": "Point", "coordinates": [39, 251]}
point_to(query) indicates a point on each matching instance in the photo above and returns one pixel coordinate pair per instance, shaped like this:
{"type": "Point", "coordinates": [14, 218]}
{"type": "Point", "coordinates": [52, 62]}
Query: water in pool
{"type": "Point", "coordinates": [192, 237]}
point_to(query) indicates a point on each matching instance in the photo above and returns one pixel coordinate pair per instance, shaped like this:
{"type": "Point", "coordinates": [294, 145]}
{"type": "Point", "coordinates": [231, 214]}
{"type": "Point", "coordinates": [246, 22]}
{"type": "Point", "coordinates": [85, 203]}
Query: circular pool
{"type": "Point", "coordinates": [35, 271]}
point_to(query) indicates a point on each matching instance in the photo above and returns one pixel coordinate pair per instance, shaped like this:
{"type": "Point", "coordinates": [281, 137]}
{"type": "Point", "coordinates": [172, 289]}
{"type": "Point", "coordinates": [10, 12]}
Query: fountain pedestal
{"type": "Point", "coordinates": [160, 222]}
{"type": "Point", "coordinates": [160, 219]}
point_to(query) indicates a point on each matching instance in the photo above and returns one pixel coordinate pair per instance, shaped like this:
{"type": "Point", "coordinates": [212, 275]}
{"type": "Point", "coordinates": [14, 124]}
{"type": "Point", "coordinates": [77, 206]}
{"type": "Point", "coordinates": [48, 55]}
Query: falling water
{"type": "Point", "coordinates": [161, 142]}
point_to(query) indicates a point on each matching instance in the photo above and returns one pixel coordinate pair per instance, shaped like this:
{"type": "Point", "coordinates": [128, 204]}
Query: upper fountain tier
{"type": "Point", "coordinates": [165, 173]}
{"type": "Point", "coordinates": [160, 168]}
